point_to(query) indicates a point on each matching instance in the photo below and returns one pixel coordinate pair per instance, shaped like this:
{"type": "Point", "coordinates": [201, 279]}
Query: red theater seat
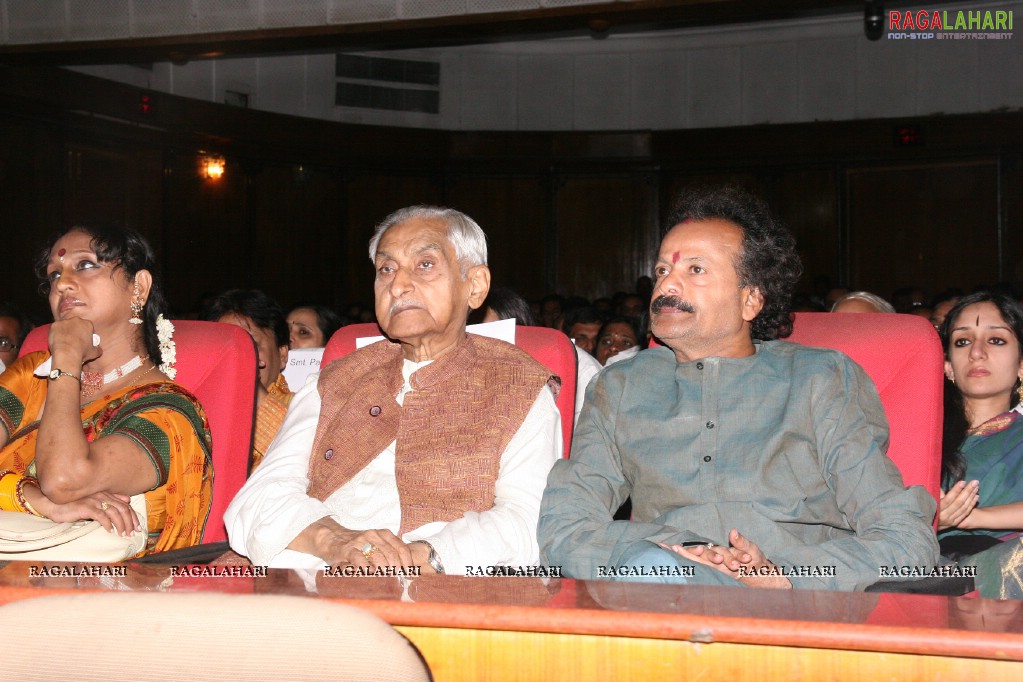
{"type": "Point", "coordinates": [549, 347]}
{"type": "Point", "coordinates": [217, 363]}
{"type": "Point", "coordinates": [903, 356]}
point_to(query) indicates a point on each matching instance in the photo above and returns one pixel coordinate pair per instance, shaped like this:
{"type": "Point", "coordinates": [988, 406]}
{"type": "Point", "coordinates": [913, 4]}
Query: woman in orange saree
{"type": "Point", "coordinates": [92, 422]}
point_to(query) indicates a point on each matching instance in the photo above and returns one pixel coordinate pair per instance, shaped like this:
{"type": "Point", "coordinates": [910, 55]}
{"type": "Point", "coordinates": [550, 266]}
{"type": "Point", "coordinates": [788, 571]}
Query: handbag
{"type": "Point", "coordinates": [24, 537]}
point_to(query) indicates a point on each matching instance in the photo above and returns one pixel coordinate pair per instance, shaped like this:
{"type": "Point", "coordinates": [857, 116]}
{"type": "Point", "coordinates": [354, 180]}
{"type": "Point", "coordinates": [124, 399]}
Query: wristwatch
{"type": "Point", "coordinates": [58, 373]}
{"type": "Point", "coordinates": [434, 558]}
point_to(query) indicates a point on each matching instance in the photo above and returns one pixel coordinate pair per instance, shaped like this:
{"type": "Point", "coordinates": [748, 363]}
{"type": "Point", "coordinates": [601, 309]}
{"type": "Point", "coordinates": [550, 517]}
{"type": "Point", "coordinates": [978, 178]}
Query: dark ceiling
{"type": "Point", "coordinates": [596, 20]}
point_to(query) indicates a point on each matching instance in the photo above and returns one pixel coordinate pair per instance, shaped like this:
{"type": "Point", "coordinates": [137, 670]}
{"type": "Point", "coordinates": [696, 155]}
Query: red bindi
{"type": "Point", "coordinates": [675, 257]}
{"type": "Point", "coordinates": [62, 252]}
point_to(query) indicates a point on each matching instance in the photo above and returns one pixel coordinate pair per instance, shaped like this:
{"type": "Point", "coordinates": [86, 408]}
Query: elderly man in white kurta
{"type": "Point", "coordinates": [428, 449]}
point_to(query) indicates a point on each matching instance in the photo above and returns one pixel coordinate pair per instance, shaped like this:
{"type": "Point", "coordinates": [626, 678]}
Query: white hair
{"type": "Point", "coordinates": [879, 303]}
{"type": "Point", "coordinates": [466, 237]}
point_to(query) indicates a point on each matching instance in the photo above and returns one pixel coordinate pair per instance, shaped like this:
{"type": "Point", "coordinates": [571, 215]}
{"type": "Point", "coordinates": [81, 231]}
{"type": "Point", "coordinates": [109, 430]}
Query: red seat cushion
{"type": "Point", "coordinates": [903, 356]}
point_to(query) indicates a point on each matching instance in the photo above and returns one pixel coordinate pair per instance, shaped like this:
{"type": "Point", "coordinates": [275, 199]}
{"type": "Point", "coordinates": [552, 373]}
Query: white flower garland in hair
{"type": "Point", "coordinates": [168, 349]}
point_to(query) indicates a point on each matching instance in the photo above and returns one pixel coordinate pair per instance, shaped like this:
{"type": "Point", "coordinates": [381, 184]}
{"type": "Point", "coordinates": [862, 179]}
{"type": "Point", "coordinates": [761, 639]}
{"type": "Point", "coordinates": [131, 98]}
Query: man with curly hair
{"type": "Point", "coordinates": [748, 460]}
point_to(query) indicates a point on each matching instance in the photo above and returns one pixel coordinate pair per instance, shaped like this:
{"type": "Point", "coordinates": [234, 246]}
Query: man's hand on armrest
{"type": "Point", "coordinates": [336, 545]}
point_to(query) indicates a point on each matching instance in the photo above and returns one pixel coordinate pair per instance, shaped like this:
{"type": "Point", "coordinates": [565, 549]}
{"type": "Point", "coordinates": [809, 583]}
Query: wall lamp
{"type": "Point", "coordinates": [213, 166]}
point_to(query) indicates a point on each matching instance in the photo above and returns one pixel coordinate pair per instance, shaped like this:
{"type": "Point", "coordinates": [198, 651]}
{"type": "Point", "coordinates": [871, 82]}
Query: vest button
{"type": "Point", "coordinates": [710, 425]}
{"type": "Point", "coordinates": [374, 411]}
{"type": "Point", "coordinates": [328, 454]}
{"type": "Point", "coordinates": [699, 365]}
{"type": "Point", "coordinates": [706, 458]}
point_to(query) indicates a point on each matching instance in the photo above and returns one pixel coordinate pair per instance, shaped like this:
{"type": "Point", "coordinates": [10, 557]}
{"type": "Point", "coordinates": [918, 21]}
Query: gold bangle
{"type": "Point", "coordinates": [19, 493]}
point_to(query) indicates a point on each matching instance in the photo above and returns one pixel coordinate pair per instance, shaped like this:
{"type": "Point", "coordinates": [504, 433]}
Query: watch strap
{"type": "Point", "coordinates": [56, 373]}
{"type": "Point", "coordinates": [433, 559]}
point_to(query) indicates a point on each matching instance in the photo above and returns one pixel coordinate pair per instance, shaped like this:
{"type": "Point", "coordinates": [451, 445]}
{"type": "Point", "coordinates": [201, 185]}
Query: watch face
{"type": "Point", "coordinates": [54, 374]}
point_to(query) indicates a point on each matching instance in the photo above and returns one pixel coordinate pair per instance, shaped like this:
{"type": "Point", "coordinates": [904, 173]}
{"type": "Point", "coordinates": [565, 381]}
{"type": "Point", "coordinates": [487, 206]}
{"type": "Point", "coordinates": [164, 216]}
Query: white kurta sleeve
{"type": "Point", "coordinates": [505, 535]}
{"type": "Point", "coordinates": [272, 508]}
{"type": "Point", "coordinates": [587, 369]}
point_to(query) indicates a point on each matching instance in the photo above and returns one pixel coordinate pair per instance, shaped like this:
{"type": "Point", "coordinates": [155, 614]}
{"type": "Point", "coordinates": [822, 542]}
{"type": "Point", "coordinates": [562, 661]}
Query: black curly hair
{"type": "Point", "coordinates": [129, 251]}
{"type": "Point", "coordinates": [768, 260]}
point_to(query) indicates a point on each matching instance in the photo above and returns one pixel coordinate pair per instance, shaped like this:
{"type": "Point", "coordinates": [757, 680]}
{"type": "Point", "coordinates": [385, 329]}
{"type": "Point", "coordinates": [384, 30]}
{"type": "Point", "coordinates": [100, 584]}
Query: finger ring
{"type": "Point", "coordinates": [368, 549]}
{"type": "Point", "coordinates": [104, 505]}
{"type": "Point", "coordinates": [711, 544]}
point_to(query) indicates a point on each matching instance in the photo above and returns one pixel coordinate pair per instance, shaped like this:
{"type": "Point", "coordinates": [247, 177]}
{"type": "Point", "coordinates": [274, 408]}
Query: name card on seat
{"type": "Point", "coordinates": [301, 363]}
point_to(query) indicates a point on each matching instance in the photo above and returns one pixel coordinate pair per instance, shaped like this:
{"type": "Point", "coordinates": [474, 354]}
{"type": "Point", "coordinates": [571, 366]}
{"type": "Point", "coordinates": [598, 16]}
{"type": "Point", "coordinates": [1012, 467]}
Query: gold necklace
{"type": "Point", "coordinates": [145, 373]}
{"type": "Point", "coordinates": [95, 390]}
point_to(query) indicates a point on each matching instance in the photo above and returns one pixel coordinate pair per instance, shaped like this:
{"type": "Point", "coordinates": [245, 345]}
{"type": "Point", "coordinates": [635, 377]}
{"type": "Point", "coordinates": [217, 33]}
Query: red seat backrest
{"type": "Point", "coordinates": [902, 355]}
{"type": "Point", "coordinates": [217, 363]}
{"type": "Point", "coordinates": [549, 347]}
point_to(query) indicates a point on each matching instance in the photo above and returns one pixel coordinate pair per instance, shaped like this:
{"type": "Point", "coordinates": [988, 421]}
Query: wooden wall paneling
{"type": "Point", "coordinates": [298, 236]}
{"type": "Point", "coordinates": [370, 198]}
{"type": "Point", "coordinates": [115, 185]}
{"type": "Point", "coordinates": [1011, 217]}
{"type": "Point", "coordinates": [213, 236]}
{"type": "Point", "coordinates": [146, 188]}
{"type": "Point", "coordinates": [676, 182]}
{"type": "Point", "coordinates": [512, 210]}
{"type": "Point", "coordinates": [208, 245]}
{"type": "Point", "coordinates": [607, 232]}
{"type": "Point", "coordinates": [98, 185]}
{"type": "Point", "coordinates": [806, 200]}
{"type": "Point", "coordinates": [30, 208]}
{"type": "Point", "coordinates": [932, 226]}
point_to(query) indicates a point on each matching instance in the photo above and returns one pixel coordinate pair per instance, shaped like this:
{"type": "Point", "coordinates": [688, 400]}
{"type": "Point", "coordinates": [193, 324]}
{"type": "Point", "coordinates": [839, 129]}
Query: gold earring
{"type": "Point", "coordinates": [136, 306]}
{"type": "Point", "coordinates": [1019, 390]}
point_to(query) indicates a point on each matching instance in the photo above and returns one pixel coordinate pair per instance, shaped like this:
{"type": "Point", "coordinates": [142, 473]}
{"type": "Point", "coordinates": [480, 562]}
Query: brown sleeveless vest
{"type": "Point", "coordinates": [454, 425]}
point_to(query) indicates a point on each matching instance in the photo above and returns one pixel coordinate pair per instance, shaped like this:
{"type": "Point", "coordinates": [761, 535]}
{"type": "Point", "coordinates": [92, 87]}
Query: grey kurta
{"type": "Point", "coordinates": [787, 445]}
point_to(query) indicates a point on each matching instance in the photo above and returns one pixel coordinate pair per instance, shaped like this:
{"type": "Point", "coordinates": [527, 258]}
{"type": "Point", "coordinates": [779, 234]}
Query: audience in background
{"type": "Point", "coordinates": [504, 304]}
{"type": "Point", "coordinates": [311, 326]}
{"type": "Point", "coordinates": [940, 309]}
{"type": "Point", "coordinates": [923, 311]}
{"type": "Point", "coordinates": [619, 335]}
{"type": "Point", "coordinates": [907, 298]}
{"type": "Point", "coordinates": [14, 327]}
{"type": "Point", "coordinates": [632, 306]}
{"type": "Point", "coordinates": [263, 319]}
{"type": "Point", "coordinates": [833, 295]}
{"type": "Point", "coordinates": [583, 326]}
{"type": "Point", "coordinates": [861, 302]}
{"type": "Point", "coordinates": [802, 303]}
{"type": "Point", "coordinates": [550, 311]}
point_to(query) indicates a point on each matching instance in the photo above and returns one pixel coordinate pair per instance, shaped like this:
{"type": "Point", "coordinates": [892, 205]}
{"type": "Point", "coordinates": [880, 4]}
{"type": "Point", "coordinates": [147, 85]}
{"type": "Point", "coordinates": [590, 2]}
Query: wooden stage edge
{"type": "Point", "coordinates": [705, 629]}
{"type": "Point", "coordinates": [505, 628]}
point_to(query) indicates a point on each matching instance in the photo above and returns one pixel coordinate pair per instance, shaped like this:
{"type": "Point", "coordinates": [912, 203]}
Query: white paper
{"type": "Point", "coordinates": [301, 363]}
